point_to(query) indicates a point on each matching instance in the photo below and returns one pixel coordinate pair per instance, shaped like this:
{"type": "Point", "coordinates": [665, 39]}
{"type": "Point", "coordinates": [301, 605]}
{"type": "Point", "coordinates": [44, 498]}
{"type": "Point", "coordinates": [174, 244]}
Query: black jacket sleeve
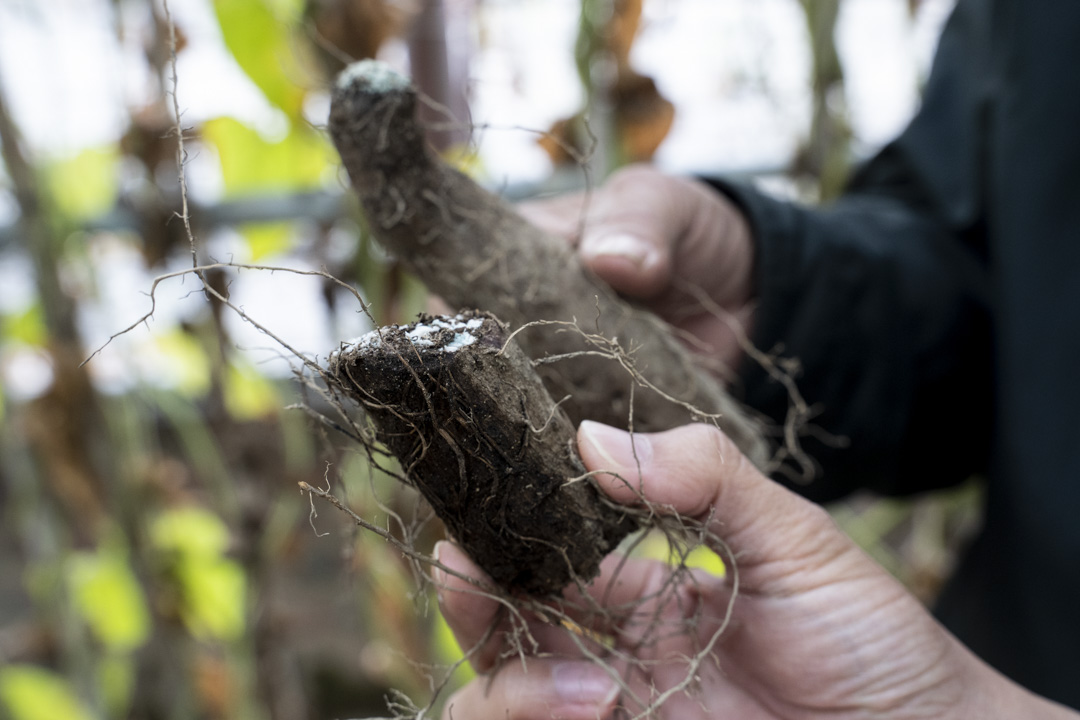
{"type": "Point", "coordinates": [884, 298]}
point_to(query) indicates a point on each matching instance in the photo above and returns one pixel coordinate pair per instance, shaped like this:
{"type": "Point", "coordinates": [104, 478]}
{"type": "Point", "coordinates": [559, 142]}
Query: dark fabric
{"type": "Point", "coordinates": [936, 311]}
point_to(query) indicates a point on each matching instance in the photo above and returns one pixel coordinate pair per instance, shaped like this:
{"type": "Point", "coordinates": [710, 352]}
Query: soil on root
{"type": "Point", "coordinates": [479, 436]}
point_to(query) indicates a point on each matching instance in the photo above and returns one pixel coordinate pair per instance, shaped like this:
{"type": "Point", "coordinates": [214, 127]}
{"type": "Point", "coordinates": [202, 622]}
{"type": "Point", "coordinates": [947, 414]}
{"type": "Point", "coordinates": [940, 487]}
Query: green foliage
{"type": "Point", "coordinates": [257, 32]}
{"type": "Point", "coordinates": [252, 164]}
{"type": "Point", "coordinates": [656, 546]}
{"type": "Point", "coordinates": [190, 532]}
{"type": "Point", "coordinates": [268, 239]}
{"type": "Point", "coordinates": [27, 327]}
{"type": "Point", "coordinates": [447, 650]}
{"type": "Point", "coordinates": [84, 186]}
{"type": "Point", "coordinates": [33, 693]}
{"type": "Point", "coordinates": [248, 394]}
{"type": "Point", "coordinates": [184, 362]}
{"type": "Point", "coordinates": [212, 588]}
{"type": "Point", "coordinates": [108, 597]}
{"type": "Point", "coordinates": [215, 591]}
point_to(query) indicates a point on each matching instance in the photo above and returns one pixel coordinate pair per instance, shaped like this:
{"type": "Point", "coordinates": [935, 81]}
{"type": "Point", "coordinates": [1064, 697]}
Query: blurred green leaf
{"type": "Point", "coordinates": [183, 362]}
{"type": "Point", "coordinates": [656, 546]}
{"type": "Point", "coordinates": [27, 327]}
{"type": "Point", "coordinates": [447, 650]}
{"type": "Point", "coordinates": [214, 588]}
{"type": "Point", "coordinates": [249, 395]}
{"type": "Point", "coordinates": [464, 157]}
{"type": "Point", "coordinates": [33, 693]}
{"type": "Point", "coordinates": [215, 592]}
{"type": "Point", "coordinates": [267, 239]}
{"type": "Point", "coordinates": [107, 595]}
{"type": "Point", "coordinates": [703, 558]}
{"type": "Point", "coordinates": [190, 531]}
{"type": "Point", "coordinates": [257, 33]}
{"type": "Point", "coordinates": [251, 164]}
{"type": "Point", "coordinates": [84, 186]}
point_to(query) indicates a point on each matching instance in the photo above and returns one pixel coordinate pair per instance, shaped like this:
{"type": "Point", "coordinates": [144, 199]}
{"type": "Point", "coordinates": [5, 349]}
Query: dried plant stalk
{"type": "Point", "coordinates": [472, 248]}
{"type": "Point", "coordinates": [477, 433]}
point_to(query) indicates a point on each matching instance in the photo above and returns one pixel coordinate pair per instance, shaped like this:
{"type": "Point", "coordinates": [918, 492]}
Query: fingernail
{"type": "Point", "coordinates": [620, 245]}
{"type": "Point", "coordinates": [618, 448]}
{"type": "Point", "coordinates": [583, 683]}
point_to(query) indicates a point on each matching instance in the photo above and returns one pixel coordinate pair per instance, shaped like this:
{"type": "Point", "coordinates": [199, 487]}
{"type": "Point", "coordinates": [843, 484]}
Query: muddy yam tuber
{"type": "Point", "coordinates": [480, 437]}
{"type": "Point", "coordinates": [471, 247]}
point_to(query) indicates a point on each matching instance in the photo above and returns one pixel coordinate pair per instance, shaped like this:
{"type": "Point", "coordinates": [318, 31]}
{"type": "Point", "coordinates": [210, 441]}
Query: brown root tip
{"type": "Point", "coordinates": [461, 407]}
{"type": "Point", "coordinates": [373, 124]}
{"type": "Point", "coordinates": [371, 76]}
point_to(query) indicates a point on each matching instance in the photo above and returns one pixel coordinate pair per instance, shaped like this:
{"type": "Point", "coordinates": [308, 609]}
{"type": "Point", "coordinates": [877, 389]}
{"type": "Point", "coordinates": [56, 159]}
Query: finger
{"type": "Point", "coordinates": [561, 215]}
{"type": "Point", "coordinates": [645, 605]}
{"type": "Point", "coordinates": [697, 471]}
{"type": "Point", "coordinates": [471, 614]}
{"type": "Point", "coordinates": [623, 228]}
{"type": "Point", "coordinates": [633, 222]}
{"type": "Point", "coordinates": [645, 228]}
{"type": "Point", "coordinates": [483, 631]}
{"type": "Point", "coordinates": [627, 590]}
{"type": "Point", "coordinates": [546, 689]}
{"type": "Point", "coordinates": [624, 583]}
{"type": "Point", "coordinates": [484, 628]}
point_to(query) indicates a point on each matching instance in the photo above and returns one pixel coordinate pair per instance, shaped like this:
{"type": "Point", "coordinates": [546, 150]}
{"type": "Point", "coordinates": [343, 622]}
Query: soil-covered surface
{"type": "Point", "coordinates": [480, 437]}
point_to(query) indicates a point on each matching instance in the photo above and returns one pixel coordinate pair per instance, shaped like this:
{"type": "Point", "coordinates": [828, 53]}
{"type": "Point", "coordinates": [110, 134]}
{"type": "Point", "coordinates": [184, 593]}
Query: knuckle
{"type": "Point", "coordinates": [712, 442]}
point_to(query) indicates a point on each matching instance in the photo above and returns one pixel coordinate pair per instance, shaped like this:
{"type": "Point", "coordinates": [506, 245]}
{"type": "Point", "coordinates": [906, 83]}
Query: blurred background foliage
{"type": "Point", "coordinates": [157, 558]}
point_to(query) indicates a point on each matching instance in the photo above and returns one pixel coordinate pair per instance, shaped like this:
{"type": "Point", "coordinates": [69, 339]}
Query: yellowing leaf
{"type": "Point", "coordinates": [260, 40]}
{"type": "Point", "coordinates": [266, 239]}
{"type": "Point", "coordinates": [464, 158]}
{"type": "Point", "coordinates": [249, 395]}
{"type": "Point", "coordinates": [190, 531]}
{"type": "Point", "coordinates": [27, 327]}
{"type": "Point", "coordinates": [33, 693]}
{"type": "Point", "coordinates": [251, 164]}
{"type": "Point", "coordinates": [84, 186]}
{"type": "Point", "coordinates": [183, 361]}
{"type": "Point", "coordinates": [447, 650]}
{"type": "Point", "coordinates": [286, 8]}
{"type": "Point", "coordinates": [705, 559]}
{"type": "Point", "coordinates": [109, 598]}
{"type": "Point", "coordinates": [215, 597]}
{"type": "Point", "coordinates": [213, 588]}
{"type": "Point", "coordinates": [656, 547]}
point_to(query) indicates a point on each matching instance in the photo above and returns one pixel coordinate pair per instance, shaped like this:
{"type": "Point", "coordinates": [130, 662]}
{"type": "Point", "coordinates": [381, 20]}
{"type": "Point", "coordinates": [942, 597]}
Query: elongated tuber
{"type": "Point", "coordinates": [474, 250]}
{"type": "Point", "coordinates": [480, 437]}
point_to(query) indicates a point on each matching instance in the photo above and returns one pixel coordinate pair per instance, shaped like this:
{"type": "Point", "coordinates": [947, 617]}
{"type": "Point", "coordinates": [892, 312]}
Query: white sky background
{"type": "Point", "coordinates": [736, 70]}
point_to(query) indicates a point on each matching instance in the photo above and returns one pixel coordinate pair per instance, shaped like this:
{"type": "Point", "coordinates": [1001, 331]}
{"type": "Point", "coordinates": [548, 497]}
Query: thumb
{"type": "Point", "coordinates": [697, 471]}
{"type": "Point", "coordinates": [633, 223]}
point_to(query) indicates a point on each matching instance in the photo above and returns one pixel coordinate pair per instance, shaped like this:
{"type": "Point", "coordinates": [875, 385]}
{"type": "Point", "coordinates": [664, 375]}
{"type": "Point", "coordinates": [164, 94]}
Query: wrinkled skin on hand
{"type": "Point", "coordinates": [650, 235]}
{"type": "Point", "coordinates": [818, 630]}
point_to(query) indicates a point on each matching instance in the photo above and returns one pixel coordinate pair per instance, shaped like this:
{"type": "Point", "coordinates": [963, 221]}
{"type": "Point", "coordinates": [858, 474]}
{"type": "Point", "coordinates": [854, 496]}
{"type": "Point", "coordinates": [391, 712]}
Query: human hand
{"type": "Point", "coordinates": [651, 236]}
{"type": "Point", "coordinates": [817, 629]}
